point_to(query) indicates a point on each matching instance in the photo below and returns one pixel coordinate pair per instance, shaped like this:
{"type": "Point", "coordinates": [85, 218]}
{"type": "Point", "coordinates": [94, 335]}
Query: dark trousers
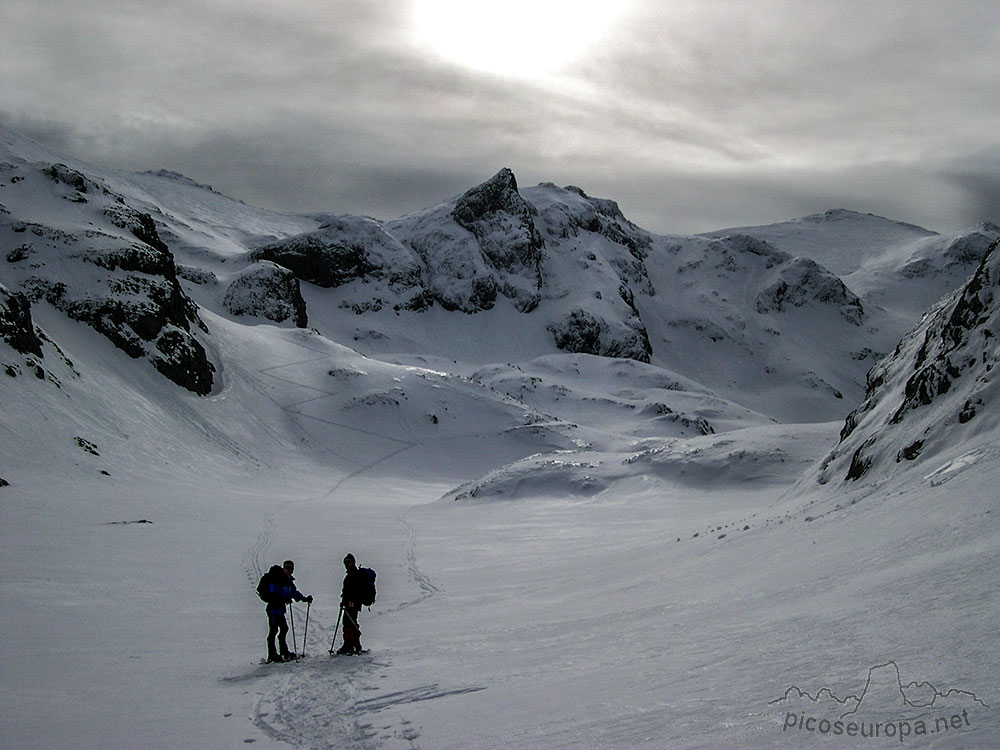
{"type": "Point", "coordinates": [352, 633]}
{"type": "Point", "coordinates": [277, 625]}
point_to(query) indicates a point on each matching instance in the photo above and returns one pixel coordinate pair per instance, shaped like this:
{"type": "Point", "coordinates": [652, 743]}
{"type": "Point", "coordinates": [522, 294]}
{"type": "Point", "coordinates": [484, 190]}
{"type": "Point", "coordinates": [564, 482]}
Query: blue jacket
{"type": "Point", "coordinates": [279, 589]}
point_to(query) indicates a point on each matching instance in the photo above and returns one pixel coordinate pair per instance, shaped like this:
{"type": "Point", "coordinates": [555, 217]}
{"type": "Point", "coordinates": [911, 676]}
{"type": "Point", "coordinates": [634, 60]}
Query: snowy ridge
{"type": "Point", "coordinates": [843, 241]}
{"type": "Point", "coordinates": [752, 316]}
{"type": "Point", "coordinates": [80, 246]}
{"type": "Point", "coordinates": [933, 395]}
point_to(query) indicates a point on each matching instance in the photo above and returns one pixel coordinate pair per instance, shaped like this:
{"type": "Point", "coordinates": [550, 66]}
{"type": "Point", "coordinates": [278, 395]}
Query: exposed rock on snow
{"type": "Point", "coordinates": [182, 359]}
{"type": "Point", "coordinates": [18, 331]}
{"type": "Point", "coordinates": [86, 446]}
{"type": "Point", "coordinates": [800, 282]}
{"type": "Point", "coordinates": [581, 332]}
{"type": "Point", "coordinates": [962, 251]}
{"type": "Point", "coordinates": [62, 174]}
{"type": "Point", "coordinates": [85, 250]}
{"type": "Point", "coordinates": [266, 290]}
{"type": "Point", "coordinates": [139, 224]}
{"type": "Point", "coordinates": [195, 275]}
{"type": "Point", "coordinates": [345, 249]}
{"type": "Point", "coordinates": [358, 253]}
{"type": "Point", "coordinates": [597, 233]}
{"type": "Point", "coordinates": [930, 394]}
{"type": "Point", "coordinates": [16, 327]}
{"type": "Point", "coordinates": [576, 212]}
{"type": "Point", "coordinates": [317, 259]}
{"type": "Point", "coordinates": [501, 221]}
{"type": "Point", "coordinates": [479, 247]}
{"type": "Point", "coordinates": [792, 282]}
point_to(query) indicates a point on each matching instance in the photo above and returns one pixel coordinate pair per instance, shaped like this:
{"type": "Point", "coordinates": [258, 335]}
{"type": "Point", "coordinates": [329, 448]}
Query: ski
{"type": "Point", "coordinates": [284, 661]}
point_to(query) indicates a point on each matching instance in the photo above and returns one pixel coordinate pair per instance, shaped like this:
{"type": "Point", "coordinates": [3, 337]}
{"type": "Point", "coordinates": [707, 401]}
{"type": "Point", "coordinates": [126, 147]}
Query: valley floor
{"type": "Point", "coordinates": [536, 622]}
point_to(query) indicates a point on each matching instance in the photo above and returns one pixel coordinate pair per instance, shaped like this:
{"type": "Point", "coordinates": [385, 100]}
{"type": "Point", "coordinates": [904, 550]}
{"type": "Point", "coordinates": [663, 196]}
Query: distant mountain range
{"type": "Point", "coordinates": [785, 320]}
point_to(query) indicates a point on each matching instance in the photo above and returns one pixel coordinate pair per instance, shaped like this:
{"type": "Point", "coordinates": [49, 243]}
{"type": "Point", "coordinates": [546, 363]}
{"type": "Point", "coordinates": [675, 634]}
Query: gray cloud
{"type": "Point", "coordinates": [693, 115]}
{"type": "Point", "coordinates": [984, 193]}
{"type": "Point", "coordinates": [978, 177]}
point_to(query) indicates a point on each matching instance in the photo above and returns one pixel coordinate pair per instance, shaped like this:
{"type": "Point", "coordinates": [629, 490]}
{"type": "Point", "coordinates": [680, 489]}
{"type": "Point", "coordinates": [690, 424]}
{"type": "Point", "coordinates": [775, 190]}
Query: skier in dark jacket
{"type": "Point", "coordinates": [351, 597]}
{"type": "Point", "coordinates": [277, 588]}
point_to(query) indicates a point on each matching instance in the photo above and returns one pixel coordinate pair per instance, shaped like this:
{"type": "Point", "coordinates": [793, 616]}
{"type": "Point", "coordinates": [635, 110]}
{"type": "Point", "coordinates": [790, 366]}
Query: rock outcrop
{"type": "Point", "coordinates": [354, 252]}
{"type": "Point", "coordinates": [481, 247]}
{"type": "Point", "coordinates": [929, 394]}
{"type": "Point", "coordinates": [583, 332]}
{"type": "Point", "coordinates": [109, 270]}
{"type": "Point", "coordinates": [501, 221]}
{"type": "Point", "coordinates": [801, 282]}
{"type": "Point", "coordinates": [266, 290]}
{"type": "Point", "coordinates": [16, 328]}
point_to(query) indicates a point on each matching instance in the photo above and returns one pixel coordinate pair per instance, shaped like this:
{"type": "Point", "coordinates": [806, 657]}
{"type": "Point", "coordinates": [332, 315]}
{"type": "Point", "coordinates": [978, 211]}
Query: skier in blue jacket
{"type": "Point", "coordinates": [277, 588]}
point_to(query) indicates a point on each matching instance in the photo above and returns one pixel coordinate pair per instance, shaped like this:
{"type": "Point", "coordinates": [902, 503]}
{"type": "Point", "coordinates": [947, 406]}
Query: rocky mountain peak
{"type": "Point", "coordinates": [502, 222]}
{"type": "Point", "coordinates": [499, 193]}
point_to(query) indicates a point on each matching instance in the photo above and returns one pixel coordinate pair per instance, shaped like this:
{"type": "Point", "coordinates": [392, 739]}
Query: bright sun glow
{"type": "Point", "coordinates": [513, 37]}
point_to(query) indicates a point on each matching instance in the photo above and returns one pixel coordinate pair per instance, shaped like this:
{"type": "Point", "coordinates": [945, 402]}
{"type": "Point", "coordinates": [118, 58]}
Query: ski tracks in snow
{"type": "Point", "coordinates": [334, 702]}
{"type": "Point", "coordinates": [321, 701]}
{"type": "Point", "coordinates": [253, 560]}
{"type": "Point", "coordinates": [427, 589]}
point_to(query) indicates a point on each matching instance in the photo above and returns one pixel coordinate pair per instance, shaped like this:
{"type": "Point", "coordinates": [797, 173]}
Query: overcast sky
{"type": "Point", "coordinates": [692, 115]}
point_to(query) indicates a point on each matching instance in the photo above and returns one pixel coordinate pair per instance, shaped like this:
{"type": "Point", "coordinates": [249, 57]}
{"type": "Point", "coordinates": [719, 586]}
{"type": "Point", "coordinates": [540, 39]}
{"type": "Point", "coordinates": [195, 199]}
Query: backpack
{"type": "Point", "coordinates": [264, 585]}
{"type": "Point", "coordinates": [368, 592]}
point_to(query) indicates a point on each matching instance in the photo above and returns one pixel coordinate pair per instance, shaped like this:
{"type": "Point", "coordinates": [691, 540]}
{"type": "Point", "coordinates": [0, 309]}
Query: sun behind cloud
{"type": "Point", "coordinates": [517, 37]}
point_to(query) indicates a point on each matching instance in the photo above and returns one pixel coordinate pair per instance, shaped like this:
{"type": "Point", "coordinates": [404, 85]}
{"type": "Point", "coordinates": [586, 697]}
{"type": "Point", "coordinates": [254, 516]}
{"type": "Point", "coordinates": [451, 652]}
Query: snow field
{"type": "Point", "coordinates": [549, 619]}
{"type": "Point", "coordinates": [573, 551]}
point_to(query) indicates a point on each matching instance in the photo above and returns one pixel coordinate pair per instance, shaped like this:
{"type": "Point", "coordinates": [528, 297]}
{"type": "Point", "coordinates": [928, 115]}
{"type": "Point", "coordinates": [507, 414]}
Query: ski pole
{"type": "Point", "coordinates": [349, 618]}
{"type": "Point", "coordinates": [291, 611]}
{"type": "Point", "coordinates": [305, 633]}
{"type": "Point", "coordinates": [336, 627]}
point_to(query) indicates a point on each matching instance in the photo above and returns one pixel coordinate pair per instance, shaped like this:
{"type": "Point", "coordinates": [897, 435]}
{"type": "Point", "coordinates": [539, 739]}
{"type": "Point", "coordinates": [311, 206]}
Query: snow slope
{"type": "Point", "coordinates": [843, 241]}
{"type": "Point", "coordinates": [573, 550]}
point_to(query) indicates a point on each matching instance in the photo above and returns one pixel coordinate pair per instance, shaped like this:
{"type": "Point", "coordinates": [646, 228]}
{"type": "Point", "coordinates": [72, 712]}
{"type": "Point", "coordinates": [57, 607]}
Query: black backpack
{"type": "Point", "coordinates": [368, 592]}
{"type": "Point", "coordinates": [264, 585]}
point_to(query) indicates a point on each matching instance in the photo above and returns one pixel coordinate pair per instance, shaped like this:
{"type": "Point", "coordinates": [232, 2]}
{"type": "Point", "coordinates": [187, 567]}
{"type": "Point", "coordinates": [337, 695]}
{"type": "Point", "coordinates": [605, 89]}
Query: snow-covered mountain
{"type": "Point", "coordinates": [935, 395]}
{"type": "Point", "coordinates": [82, 248]}
{"type": "Point", "coordinates": [755, 315]}
{"type": "Point", "coordinates": [622, 489]}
